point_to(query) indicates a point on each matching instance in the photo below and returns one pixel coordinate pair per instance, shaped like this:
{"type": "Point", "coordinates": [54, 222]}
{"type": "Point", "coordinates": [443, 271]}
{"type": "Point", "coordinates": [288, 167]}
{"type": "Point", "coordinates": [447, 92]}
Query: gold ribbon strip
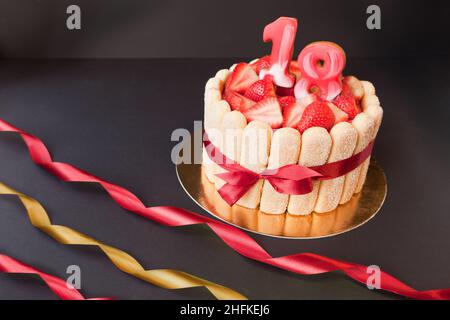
{"type": "Point", "coordinates": [163, 278]}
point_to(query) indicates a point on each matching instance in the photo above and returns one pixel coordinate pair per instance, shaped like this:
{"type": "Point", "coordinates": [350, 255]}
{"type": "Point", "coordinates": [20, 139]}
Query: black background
{"type": "Point", "coordinates": [217, 28]}
{"type": "Point", "coordinates": [114, 118]}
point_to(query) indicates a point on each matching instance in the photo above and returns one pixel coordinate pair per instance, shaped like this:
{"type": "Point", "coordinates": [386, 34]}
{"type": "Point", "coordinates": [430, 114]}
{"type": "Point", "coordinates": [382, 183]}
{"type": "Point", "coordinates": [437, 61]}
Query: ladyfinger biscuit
{"type": "Point", "coordinates": [365, 127]}
{"type": "Point", "coordinates": [375, 112]}
{"type": "Point", "coordinates": [369, 89]}
{"type": "Point", "coordinates": [271, 223]}
{"type": "Point", "coordinates": [368, 100]}
{"type": "Point", "coordinates": [215, 136]}
{"type": "Point", "coordinates": [285, 149]}
{"type": "Point", "coordinates": [214, 114]}
{"type": "Point", "coordinates": [322, 223]}
{"type": "Point", "coordinates": [222, 75]}
{"type": "Point", "coordinates": [370, 105]}
{"type": "Point", "coordinates": [355, 86]}
{"type": "Point", "coordinates": [344, 137]}
{"type": "Point", "coordinates": [254, 156]}
{"type": "Point", "coordinates": [233, 124]}
{"type": "Point", "coordinates": [316, 145]}
{"type": "Point", "coordinates": [212, 95]}
{"type": "Point", "coordinates": [244, 217]}
{"type": "Point", "coordinates": [208, 166]}
{"type": "Point", "coordinates": [213, 83]}
{"type": "Point", "coordinates": [297, 225]}
{"type": "Point", "coordinates": [213, 201]}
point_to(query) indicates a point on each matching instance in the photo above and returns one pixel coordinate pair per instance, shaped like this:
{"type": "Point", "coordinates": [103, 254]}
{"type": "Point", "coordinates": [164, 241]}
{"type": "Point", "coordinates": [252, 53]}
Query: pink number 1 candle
{"type": "Point", "coordinates": [321, 64]}
{"type": "Point", "coordinates": [282, 34]}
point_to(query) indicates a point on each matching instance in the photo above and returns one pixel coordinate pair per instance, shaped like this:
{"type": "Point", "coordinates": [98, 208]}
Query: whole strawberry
{"type": "Point", "coordinates": [317, 114]}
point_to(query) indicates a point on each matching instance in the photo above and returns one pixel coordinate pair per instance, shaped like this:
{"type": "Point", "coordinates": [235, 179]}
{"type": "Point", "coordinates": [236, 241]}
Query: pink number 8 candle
{"type": "Point", "coordinates": [282, 34]}
{"type": "Point", "coordinates": [320, 64]}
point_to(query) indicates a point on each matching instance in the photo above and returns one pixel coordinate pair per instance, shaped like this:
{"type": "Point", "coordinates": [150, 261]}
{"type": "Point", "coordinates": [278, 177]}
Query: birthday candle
{"type": "Point", "coordinates": [321, 64]}
{"type": "Point", "coordinates": [282, 34]}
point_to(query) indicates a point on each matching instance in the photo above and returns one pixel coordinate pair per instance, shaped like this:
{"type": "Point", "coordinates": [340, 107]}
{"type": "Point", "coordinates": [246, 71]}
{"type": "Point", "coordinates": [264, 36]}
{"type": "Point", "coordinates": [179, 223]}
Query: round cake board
{"type": "Point", "coordinates": [359, 210]}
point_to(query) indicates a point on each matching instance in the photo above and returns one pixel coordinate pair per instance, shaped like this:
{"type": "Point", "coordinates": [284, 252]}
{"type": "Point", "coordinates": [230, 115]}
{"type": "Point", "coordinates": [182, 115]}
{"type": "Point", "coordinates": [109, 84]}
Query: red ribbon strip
{"type": "Point", "coordinates": [57, 285]}
{"type": "Point", "coordinates": [290, 179]}
{"type": "Point", "coordinates": [301, 263]}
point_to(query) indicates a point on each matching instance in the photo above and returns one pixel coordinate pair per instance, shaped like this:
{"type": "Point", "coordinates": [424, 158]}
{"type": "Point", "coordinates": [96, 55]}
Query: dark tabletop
{"type": "Point", "coordinates": [114, 118]}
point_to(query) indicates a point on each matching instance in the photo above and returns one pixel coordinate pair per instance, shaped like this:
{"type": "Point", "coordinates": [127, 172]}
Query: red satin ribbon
{"type": "Point", "coordinates": [301, 263]}
{"type": "Point", "coordinates": [57, 285]}
{"type": "Point", "coordinates": [290, 179]}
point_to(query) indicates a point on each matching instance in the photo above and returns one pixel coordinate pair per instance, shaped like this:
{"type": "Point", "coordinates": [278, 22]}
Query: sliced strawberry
{"type": "Point", "coordinates": [347, 103]}
{"type": "Point", "coordinates": [242, 77]}
{"type": "Point", "coordinates": [317, 114]}
{"type": "Point", "coordinates": [267, 110]}
{"type": "Point", "coordinates": [286, 101]}
{"type": "Point", "coordinates": [260, 64]}
{"type": "Point", "coordinates": [237, 101]}
{"type": "Point", "coordinates": [261, 89]}
{"type": "Point", "coordinates": [340, 115]}
{"type": "Point", "coordinates": [292, 114]}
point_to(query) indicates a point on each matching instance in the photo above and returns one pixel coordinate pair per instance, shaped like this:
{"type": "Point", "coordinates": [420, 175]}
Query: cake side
{"type": "Point", "coordinates": [316, 146]}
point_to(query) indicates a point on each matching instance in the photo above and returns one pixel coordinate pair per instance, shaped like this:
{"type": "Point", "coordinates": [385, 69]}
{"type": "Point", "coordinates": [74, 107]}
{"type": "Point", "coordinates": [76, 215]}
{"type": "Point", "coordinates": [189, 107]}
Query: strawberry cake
{"type": "Point", "coordinates": [262, 124]}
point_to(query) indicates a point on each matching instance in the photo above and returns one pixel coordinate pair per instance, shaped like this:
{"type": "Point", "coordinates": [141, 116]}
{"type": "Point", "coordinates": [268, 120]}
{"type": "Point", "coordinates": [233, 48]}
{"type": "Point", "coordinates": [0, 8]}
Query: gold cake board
{"type": "Point", "coordinates": [359, 210]}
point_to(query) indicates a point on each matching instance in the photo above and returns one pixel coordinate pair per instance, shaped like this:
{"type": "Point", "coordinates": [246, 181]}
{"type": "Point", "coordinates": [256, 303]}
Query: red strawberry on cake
{"type": "Point", "coordinates": [286, 101]}
{"type": "Point", "coordinates": [317, 114]}
{"type": "Point", "coordinates": [347, 103]}
{"type": "Point", "coordinates": [292, 112]}
{"type": "Point", "coordinates": [261, 89]}
{"type": "Point", "coordinates": [242, 78]}
{"type": "Point", "coordinates": [237, 101]}
{"type": "Point", "coordinates": [339, 115]}
{"type": "Point", "coordinates": [267, 110]}
{"type": "Point", "coordinates": [260, 64]}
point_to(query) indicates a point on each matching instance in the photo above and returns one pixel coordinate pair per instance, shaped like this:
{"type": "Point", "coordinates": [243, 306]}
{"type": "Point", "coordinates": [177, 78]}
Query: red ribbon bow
{"type": "Point", "coordinates": [291, 179]}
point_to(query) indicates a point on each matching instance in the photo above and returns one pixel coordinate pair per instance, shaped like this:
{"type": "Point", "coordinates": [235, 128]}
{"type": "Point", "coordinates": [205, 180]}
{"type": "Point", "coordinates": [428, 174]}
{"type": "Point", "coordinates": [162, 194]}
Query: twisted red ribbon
{"type": "Point", "coordinates": [301, 263]}
{"type": "Point", "coordinates": [57, 285]}
{"type": "Point", "coordinates": [289, 179]}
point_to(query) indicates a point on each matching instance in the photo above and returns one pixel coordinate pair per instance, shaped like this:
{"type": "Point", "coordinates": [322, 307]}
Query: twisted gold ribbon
{"type": "Point", "coordinates": [163, 278]}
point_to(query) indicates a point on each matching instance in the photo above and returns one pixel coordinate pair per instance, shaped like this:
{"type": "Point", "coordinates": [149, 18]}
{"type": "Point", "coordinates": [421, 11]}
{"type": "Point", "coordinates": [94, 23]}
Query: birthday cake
{"type": "Point", "coordinates": [275, 112]}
